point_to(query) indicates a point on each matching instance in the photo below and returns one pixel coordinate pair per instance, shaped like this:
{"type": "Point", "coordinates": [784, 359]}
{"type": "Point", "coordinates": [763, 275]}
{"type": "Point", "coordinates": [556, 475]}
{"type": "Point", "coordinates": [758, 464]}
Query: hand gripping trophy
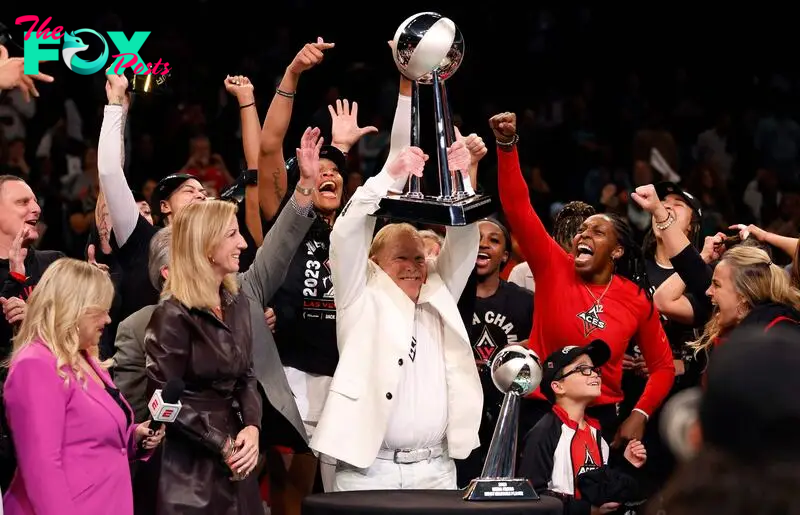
{"type": "Point", "coordinates": [428, 49]}
{"type": "Point", "coordinates": [515, 372]}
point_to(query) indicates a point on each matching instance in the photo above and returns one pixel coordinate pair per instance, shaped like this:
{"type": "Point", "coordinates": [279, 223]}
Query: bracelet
{"type": "Point", "coordinates": [247, 105]}
{"type": "Point", "coordinates": [283, 93]}
{"type": "Point", "coordinates": [511, 143]}
{"type": "Point", "coordinates": [303, 191]}
{"type": "Point", "coordinates": [666, 223]}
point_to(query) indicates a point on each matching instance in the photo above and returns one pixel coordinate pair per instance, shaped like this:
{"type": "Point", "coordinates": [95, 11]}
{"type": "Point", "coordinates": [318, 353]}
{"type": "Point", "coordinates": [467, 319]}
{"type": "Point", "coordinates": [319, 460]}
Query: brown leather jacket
{"type": "Point", "coordinates": [214, 359]}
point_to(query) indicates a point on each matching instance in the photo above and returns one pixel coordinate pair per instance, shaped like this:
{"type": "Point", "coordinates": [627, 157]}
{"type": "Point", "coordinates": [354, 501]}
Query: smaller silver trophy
{"type": "Point", "coordinates": [515, 372]}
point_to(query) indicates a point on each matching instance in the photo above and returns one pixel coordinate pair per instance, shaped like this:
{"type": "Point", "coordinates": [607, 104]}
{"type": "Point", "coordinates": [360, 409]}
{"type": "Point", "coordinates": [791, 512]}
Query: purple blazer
{"type": "Point", "coordinates": [73, 444]}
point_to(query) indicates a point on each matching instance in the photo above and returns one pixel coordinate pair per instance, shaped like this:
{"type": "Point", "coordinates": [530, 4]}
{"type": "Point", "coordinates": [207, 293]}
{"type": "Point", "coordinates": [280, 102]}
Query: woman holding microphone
{"type": "Point", "coordinates": [72, 430]}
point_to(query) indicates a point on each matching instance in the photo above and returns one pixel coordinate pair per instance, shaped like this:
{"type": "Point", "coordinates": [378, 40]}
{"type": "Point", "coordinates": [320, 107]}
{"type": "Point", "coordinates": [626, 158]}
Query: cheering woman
{"type": "Point", "coordinates": [595, 292]}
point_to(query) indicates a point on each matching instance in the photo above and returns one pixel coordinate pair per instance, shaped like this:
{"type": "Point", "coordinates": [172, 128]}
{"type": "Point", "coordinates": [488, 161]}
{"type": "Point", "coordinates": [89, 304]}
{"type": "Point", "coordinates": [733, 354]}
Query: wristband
{"type": "Point", "coordinates": [283, 93]}
{"type": "Point", "coordinates": [247, 105]}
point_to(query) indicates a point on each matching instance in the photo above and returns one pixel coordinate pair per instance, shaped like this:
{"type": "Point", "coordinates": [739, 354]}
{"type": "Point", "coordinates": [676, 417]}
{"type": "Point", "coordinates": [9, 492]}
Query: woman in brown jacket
{"type": "Point", "coordinates": [201, 334]}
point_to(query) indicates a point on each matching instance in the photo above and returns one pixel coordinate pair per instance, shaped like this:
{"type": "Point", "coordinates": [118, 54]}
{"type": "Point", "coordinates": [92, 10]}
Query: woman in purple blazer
{"type": "Point", "coordinates": [72, 430]}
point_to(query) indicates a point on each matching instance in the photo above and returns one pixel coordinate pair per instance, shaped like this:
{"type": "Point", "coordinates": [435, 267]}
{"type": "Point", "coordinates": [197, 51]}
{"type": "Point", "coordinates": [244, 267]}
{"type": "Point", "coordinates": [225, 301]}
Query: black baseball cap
{"type": "Point", "coordinates": [750, 407]}
{"type": "Point", "coordinates": [670, 188]}
{"type": "Point", "coordinates": [167, 187]}
{"type": "Point", "coordinates": [597, 350]}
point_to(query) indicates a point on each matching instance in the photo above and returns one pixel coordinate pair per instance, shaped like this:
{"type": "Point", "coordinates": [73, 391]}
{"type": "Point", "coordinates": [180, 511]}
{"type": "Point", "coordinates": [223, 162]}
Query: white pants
{"type": "Point", "coordinates": [436, 474]}
{"type": "Point", "coordinates": [310, 392]}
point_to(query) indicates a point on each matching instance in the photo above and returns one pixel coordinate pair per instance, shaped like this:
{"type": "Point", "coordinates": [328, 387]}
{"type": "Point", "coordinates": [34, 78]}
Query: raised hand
{"type": "Point", "coordinates": [504, 126]}
{"type": "Point", "coordinates": [116, 87]}
{"type": "Point", "coordinates": [19, 251]}
{"type": "Point", "coordinates": [475, 145]}
{"type": "Point", "coordinates": [410, 161]}
{"type": "Point", "coordinates": [713, 247]}
{"type": "Point", "coordinates": [458, 157]}
{"type": "Point", "coordinates": [647, 198]}
{"type": "Point", "coordinates": [240, 87]}
{"type": "Point", "coordinates": [12, 75]}
{"type": "Point", "coordinates": [92, 259]}
{"type": "Point", "coordinates": [308, 154]}
{"type": "Point", "coordinates": [345, 131]}
{"type": "Point", "coordinates": [309, 56]}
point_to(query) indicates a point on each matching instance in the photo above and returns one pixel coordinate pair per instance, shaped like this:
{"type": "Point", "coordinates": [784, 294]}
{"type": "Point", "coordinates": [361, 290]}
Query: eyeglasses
{"type": "Point", "coordinates": [584, 370]}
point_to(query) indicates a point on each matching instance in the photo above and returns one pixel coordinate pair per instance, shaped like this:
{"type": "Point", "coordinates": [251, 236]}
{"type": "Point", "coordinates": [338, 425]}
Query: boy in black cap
{"type": "Point", "coordinates": [566, 444]}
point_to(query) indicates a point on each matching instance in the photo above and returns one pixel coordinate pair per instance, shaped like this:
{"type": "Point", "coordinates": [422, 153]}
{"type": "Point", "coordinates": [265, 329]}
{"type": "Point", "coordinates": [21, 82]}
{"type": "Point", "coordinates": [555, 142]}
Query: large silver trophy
{"type": "Point", "coordinates": [515, 372]}
{"type": "Point", "coordinates": [428, 49]}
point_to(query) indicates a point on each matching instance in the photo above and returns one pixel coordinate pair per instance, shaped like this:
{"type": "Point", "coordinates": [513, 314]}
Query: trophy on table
{"type": "Point", "coordinates": [515, 372]}
{"type": "Point", "coordinates": [428, 49]}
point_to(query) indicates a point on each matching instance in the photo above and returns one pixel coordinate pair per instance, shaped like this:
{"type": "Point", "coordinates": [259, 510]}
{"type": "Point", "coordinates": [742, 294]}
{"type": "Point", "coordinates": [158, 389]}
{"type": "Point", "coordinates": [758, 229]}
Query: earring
{"type": "Point", "coordinates": [211, 259]}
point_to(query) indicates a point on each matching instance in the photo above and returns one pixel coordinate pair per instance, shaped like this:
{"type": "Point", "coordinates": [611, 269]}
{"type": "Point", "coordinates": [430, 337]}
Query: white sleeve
{"type": "Point", "coordinates": [122, 207]}
{"type": "Point", "coordinates": [401, 136]}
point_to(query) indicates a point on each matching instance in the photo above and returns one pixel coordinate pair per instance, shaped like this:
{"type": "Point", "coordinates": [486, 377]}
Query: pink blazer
{"type": "Point", "coordinates": [73, 444]}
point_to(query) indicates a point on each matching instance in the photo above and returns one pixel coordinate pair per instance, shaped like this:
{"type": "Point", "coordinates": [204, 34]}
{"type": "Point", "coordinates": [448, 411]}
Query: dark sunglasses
{"type": "Point", "coordinates": [584, 370]}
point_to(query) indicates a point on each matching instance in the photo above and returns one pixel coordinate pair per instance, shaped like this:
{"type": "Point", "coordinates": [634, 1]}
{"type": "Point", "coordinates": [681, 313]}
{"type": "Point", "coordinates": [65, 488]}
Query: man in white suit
{"type": "Point", "coordinates": [406, 398]}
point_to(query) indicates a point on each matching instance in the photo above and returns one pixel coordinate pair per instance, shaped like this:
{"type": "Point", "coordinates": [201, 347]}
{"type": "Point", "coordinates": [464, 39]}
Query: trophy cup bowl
{"type": "Point", "coordinates": [428, 49]}
{"type": "Point", "coordinates": [515, 372]}
{"type": "Point", "coordinates": [427, 42]}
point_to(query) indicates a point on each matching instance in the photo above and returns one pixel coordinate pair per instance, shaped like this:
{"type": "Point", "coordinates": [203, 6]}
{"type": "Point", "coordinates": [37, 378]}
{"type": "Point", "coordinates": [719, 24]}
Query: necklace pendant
{"type": "Point", "coordinates": [599, 307]}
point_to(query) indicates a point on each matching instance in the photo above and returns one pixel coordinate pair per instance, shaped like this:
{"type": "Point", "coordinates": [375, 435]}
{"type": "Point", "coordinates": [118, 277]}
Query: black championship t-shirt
{"type": "Point", "coordinates": [135, 289]}
{"type": "Point", "coordinates": [503, 319]}
{"type": "Point", "coordinates": [305, 328]}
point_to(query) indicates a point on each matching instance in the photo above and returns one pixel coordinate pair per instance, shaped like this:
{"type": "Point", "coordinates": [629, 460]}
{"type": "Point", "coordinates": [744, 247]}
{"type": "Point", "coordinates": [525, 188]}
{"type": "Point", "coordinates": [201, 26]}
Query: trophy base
{"type": "Point", "coordinates": [500, 490]}
{"type": "Point", "coordinates": [436, 211]}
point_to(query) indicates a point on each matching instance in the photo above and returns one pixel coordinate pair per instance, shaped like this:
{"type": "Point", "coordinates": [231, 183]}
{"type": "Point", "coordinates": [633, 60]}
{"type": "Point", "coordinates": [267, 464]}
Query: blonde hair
{"type": "Point", "coordinates": [67, 290]}
{"type": "Point", "coordinates": [433, 236]}
{"type": "Point", "coordinates": [756, 279]}
{"type": "Point", "coordinates": [390, 232]}
{"type": "Point", "coordinates": [196, 231]}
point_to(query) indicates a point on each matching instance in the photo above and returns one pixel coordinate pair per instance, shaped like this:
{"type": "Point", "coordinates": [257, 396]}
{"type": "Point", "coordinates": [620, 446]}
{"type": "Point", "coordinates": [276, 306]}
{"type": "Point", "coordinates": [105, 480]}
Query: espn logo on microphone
{"type": "Point", "coordinates": [163, 411]}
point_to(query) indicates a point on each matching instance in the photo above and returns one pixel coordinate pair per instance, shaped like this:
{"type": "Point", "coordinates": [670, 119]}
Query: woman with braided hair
{"type": "Point", "coordinates": [597, 291]}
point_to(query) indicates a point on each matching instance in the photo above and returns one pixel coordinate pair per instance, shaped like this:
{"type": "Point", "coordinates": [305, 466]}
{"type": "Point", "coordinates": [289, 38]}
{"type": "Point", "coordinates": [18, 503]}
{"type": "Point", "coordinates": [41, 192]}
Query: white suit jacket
{"type": "Point", "coordinates": [374, 324]}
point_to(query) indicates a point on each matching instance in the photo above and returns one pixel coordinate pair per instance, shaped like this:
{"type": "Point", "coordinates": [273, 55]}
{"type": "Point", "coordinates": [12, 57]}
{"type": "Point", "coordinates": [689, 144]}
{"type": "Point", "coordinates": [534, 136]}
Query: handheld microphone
{"type": "Point", "coordinates": [165, 404]}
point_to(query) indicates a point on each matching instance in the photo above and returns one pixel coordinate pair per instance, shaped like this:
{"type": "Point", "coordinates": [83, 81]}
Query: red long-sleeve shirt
{"type": "Point", "coordinates": [563, 314]}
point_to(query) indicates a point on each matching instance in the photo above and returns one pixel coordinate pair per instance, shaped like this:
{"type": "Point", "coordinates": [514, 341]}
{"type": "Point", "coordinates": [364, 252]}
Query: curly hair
{"type": "Point", "coordinates": [631, 265]}
{"type": "Point", "coordinates": [568, 221]}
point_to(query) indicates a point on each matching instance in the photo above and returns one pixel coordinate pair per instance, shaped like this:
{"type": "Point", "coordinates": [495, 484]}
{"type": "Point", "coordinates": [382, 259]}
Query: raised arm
{"type": "Point", "coordinates": [457, 258]}
{"type": "Point", "coordinates": [122, 207]}
{"type": "Point", "coordinates": [271, 166]}
{"type": "Point", "coordinates": [784, 243]}
{"type": "Point", "coordinates": [271, 264]}
{"type": "Point", "coordinates": [242, 89]}
{"type": "Point", "coordinates": [538, 248]}
{"type": "Point", "coordinates": [352, 232]}
{"type": "Point", "coordinates": [36, 403]}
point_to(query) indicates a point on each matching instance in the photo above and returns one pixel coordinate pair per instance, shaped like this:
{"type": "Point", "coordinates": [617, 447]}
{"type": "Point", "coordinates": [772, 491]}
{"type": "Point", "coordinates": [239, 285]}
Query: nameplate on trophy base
{"type": "Point", "coordinates": [500, 490]}
{"type": "Point", "coordinates": [433, 210]}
